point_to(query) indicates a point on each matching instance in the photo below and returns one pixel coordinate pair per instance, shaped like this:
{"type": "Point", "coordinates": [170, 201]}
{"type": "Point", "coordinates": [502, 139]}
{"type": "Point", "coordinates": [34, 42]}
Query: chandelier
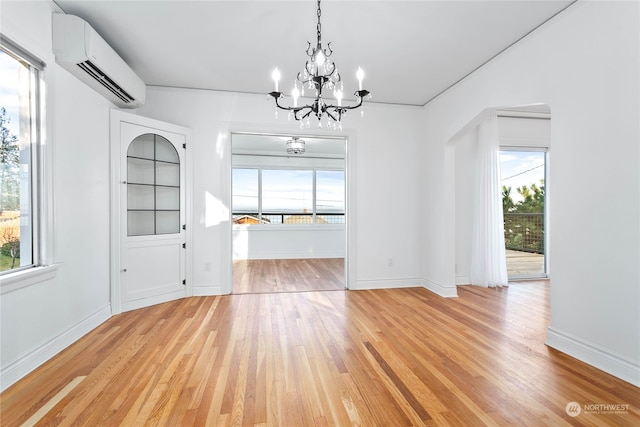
{"type": "Point", "coordinates": [295, 146]}
{"type": "Point", "coordinates": [319, 73]}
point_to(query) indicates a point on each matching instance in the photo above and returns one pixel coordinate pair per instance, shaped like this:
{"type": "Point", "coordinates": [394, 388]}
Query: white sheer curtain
{"type": "Point", "coordinates": [488, 257]}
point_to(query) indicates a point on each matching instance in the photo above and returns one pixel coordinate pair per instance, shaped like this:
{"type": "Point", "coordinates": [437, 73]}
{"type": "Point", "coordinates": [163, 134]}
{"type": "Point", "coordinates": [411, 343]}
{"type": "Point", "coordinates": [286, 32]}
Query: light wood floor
{"type": "Point", "coordinates": [373, 358]}
{"type": "Point", "coordinates": [288, 275]}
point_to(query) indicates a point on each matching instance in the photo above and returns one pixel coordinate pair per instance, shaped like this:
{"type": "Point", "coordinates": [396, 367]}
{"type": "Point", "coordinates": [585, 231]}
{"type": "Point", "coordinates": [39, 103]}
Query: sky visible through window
{"type": "Point", "coordinates": [288, 191]}
{"type": "Point", "coordinates": [518, 168]}
{"type": "Point", "coordinates": [9, 90]}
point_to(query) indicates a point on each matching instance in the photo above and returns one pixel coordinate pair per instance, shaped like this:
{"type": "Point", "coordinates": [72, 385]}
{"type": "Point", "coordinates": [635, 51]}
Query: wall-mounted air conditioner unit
{"type": "Point", "coordinates": [80, 49]}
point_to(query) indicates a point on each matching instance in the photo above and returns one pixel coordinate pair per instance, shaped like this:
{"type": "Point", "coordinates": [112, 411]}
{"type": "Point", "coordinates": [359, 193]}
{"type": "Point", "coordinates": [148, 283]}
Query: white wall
{"type": "Point", "coordinates": [584, 65]}
{"type": "Point", "coordinates": [42, 319]}
{"type": "Point", "coordinates": [289, 241]}
{"type": "Point", "coordinates": [381, 171]}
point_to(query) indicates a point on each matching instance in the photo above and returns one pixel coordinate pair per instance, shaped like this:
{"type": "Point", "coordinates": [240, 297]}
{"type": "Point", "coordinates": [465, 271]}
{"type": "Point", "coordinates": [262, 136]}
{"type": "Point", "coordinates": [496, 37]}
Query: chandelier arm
{"type": "Point", "coordinates": [309, 68]}
{"type": "Point", "coordinates": [331, 115]}
{"type": "Point", "coordinates": [333, 64]}
{"type": "Point", "coordinates": [330, 50]}
{"type": "Point", "coordinates": [349, 107]}
{"type": "Point", "coordinates": [304, 116]}
{"type": "Point", "coordinates": [277, 96]}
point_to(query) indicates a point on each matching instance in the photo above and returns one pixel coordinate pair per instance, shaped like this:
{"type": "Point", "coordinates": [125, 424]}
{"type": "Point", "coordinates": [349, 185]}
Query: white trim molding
{"type": "Point", "coordinates": [386, 284]}
{"type": "Point", "coordinates": [207, 290]}
{"type": "Point", "coordinates": [442, 290]}
{"type": "Point", "coordinates": [10, 374]}
{"type": "Point", "coordinates": [24, 278]}
{"type": "Point", "coordinates": [594, 355]}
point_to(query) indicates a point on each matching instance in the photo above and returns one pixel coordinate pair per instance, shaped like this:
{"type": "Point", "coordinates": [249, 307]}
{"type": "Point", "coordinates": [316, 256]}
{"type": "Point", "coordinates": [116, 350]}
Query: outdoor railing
{"type": "Point", "coordinates": [524, 232]}
{"type": "Point", "coordinates": [288, 218]}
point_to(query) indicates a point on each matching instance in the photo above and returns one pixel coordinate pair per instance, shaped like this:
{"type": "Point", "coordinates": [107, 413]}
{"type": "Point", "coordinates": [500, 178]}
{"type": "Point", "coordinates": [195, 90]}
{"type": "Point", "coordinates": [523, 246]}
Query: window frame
{"type": "Point", "coordinates": [38, 270]}
{"type": "Point", "coordinates": [314, 212]}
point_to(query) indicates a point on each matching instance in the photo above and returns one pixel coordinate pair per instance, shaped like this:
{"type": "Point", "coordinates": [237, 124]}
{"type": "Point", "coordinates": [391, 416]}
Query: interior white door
{"type": "Point", "coordinates": [152, 215]}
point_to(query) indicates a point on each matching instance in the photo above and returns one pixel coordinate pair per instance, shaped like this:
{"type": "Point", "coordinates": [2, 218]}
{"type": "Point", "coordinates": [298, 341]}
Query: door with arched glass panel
{"type": "Point", "coordinates": [152, 216]}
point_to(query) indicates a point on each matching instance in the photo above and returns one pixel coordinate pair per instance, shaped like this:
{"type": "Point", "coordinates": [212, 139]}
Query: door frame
{"type": "Point", "coordinates": [116, 118]}
{"type": "Point", "coordinates": [226, 241]}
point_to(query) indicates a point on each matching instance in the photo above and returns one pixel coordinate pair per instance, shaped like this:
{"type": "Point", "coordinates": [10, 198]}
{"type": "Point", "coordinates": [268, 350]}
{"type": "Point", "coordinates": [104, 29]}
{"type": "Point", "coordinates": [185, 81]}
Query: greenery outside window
{"type": "Point", "coordinates": [19, 158]}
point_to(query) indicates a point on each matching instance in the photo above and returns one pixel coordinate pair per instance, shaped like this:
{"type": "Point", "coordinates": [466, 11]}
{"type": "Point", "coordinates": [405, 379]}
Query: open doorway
{"type": "Point", "coordinates": [522, 172]}
{"type": "Point", "coordinates": [522, 130]}
{"type": "Point", "coordinates": [289, 210]}
{"type": "Point", "coordinates": [524, 152]}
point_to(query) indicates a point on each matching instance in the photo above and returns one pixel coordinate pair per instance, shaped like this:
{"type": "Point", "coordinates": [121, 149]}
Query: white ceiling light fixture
{"type": "Point", "coordinates": [295, 146]}
{"type": "Point", "coordinates": [320, 73]}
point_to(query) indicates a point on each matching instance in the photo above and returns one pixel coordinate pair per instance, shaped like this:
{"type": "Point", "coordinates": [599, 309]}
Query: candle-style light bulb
{"type": "Point", "coordinates": [295, 93]}
{"type": "Point", "coordinates": [276, 77]}
{"type": "Point", "coordinates": [339, 97]}
{"type": "Point", "coordinates": [360, 77]}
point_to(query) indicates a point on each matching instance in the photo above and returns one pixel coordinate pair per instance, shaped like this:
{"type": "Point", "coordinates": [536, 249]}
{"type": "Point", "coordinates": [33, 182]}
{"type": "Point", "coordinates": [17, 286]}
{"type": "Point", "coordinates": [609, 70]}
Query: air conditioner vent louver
{"type": "Point", "coordinates": [84, 53]}
{"type": "Point", "coordinates": [105, 81]}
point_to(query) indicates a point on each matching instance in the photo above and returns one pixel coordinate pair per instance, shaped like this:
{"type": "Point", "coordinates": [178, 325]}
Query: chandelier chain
{"type": "Point", "coordinates": [319, 27]}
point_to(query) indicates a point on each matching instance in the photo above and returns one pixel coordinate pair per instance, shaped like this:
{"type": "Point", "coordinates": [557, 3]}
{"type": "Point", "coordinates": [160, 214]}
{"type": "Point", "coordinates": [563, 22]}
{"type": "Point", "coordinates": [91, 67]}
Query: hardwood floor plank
{"type": "Point", "coordinates": [288, 275]}
{"type": "Point", "coordinates": [372, 358]}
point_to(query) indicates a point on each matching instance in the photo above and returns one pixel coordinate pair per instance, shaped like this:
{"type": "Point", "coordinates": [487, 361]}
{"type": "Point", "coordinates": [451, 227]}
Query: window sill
{"type": "Point", "coordinates": [25, 278]}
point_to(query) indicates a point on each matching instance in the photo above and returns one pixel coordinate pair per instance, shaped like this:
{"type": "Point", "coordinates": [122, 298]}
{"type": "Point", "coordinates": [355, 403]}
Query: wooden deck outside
{"type": "Point", "coordinates": [524, 264]}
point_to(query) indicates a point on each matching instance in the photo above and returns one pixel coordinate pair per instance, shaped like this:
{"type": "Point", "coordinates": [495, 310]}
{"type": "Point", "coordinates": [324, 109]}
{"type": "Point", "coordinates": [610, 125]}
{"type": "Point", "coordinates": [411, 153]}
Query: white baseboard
{"type": "Point", "coordinates": [290, 255]}
{"type": "Point", "coordinates": [463, 280]}
{"type": "Point", "coordinates": [146, 302]}
{"type": "Point", "coordinates": [206, 290]}
{"type": "Point", "coordinates": [595, 356]}
{"type": "Point", "coordinates": [15, 371]}
{"type": "Point", "coordinates": [443, 291]}
{"type": "Point", "coordinates": [386, 284]}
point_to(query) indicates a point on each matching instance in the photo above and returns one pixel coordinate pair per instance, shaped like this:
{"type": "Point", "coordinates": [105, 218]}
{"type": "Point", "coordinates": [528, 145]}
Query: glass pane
{"type": "Point", "coordinates": [140, 197]}
{"type": "Point", "coordinates": [16, 210]}
{"type": "Point", "coordinates": [165, 150]}
{"type": "Point", "coordinates": [140, 223]}
{"type": "Point", "coordinates": [523, 197]}
{"type": "Point", "coordinates": [245, 195]}
{"type": "Point", "coordinates": [167, 222]}
{"type": "Point", "coordinates": [287, 191]}
{"type": "Point", "coordinates": [330, 219]}
{"type": "Point", "coordinates": [140, 171]}
{"type": "Point", "coordinates": [167, 198]}
{"type": "Point", "coordinates": [153, 161]}
{"type": "Point", "coordinates": [142, 146]}
{"type": "Point", "coordinates": [329, 192]}
{"type": "Point", "coordinates": [167, 174]}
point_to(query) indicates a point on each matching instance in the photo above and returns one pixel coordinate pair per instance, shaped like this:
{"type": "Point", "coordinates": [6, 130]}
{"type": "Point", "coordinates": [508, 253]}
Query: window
{"type": "Point", "coordinates": [245, 193]}
{"type": "Point", "coordinates": [330, 197]}
{"type": "Point", "coordinates": [287, 196]}
{"type": "Point", "coordinates": [19, 158]}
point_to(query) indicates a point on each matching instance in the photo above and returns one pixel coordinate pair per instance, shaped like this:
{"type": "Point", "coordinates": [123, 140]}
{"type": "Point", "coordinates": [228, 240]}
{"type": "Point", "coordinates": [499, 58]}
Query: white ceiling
{"type": "Point", "coordinates": [410, 50]}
